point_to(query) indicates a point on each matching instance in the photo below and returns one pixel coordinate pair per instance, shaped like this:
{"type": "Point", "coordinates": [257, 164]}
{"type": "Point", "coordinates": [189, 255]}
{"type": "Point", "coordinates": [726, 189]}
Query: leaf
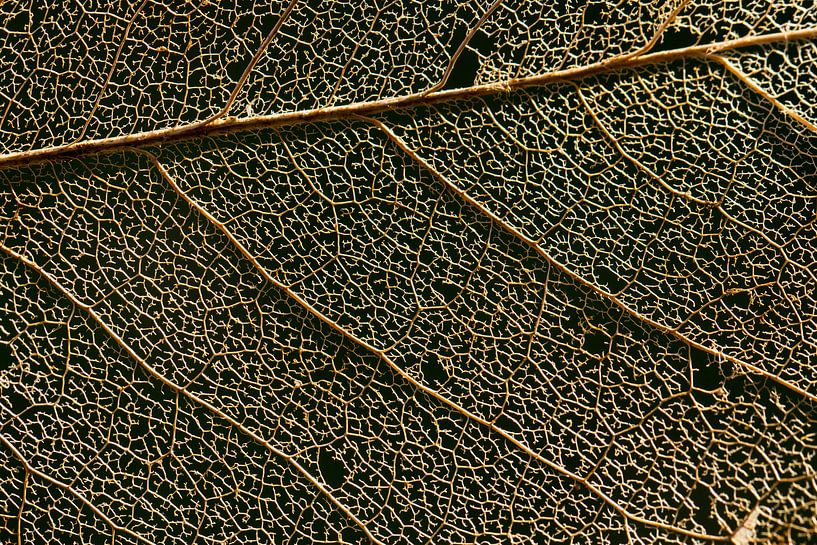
{"type": "Point", "coordinates": [408, 272]}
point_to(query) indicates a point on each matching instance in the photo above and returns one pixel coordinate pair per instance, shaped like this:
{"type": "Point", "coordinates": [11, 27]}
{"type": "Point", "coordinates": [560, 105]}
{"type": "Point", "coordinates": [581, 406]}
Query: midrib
{"type": "Point", "coordinates": [226, 125]}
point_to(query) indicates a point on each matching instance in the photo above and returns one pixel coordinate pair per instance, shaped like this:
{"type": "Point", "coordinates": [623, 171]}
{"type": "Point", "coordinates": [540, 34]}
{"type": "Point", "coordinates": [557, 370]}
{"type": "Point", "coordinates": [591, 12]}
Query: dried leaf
{"type": "Point", "coordinates": [408, 272]}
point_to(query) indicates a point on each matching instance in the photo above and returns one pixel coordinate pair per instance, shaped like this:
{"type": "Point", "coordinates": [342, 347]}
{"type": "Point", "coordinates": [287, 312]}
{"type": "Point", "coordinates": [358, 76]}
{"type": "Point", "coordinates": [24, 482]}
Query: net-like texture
{"type": "Point", "coordinates": [513, 272]}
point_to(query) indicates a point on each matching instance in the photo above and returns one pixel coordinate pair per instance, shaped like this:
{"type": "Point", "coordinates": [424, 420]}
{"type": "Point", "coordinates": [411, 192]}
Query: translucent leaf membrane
{"type": "Point", "coordinates": [104, 435]}
{"type": "Point", "coordinates": [79, 71]}
{"type": "Point", "coordinates": [466, 308]}
{"type": "Point", "coordinates": [664, 432]}
{"type": "Point", "coordinates": [580, 312]}
{"type": "Point", "coordinates": [82, 70]}
{"type": "Point", "coordinates": [160, 464]}
{"type": "Point", "coordinates": [653, 187]}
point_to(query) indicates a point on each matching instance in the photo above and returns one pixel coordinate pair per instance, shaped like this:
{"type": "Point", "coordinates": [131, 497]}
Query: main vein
{"type": "Point", "coordinates": [225, 125]}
